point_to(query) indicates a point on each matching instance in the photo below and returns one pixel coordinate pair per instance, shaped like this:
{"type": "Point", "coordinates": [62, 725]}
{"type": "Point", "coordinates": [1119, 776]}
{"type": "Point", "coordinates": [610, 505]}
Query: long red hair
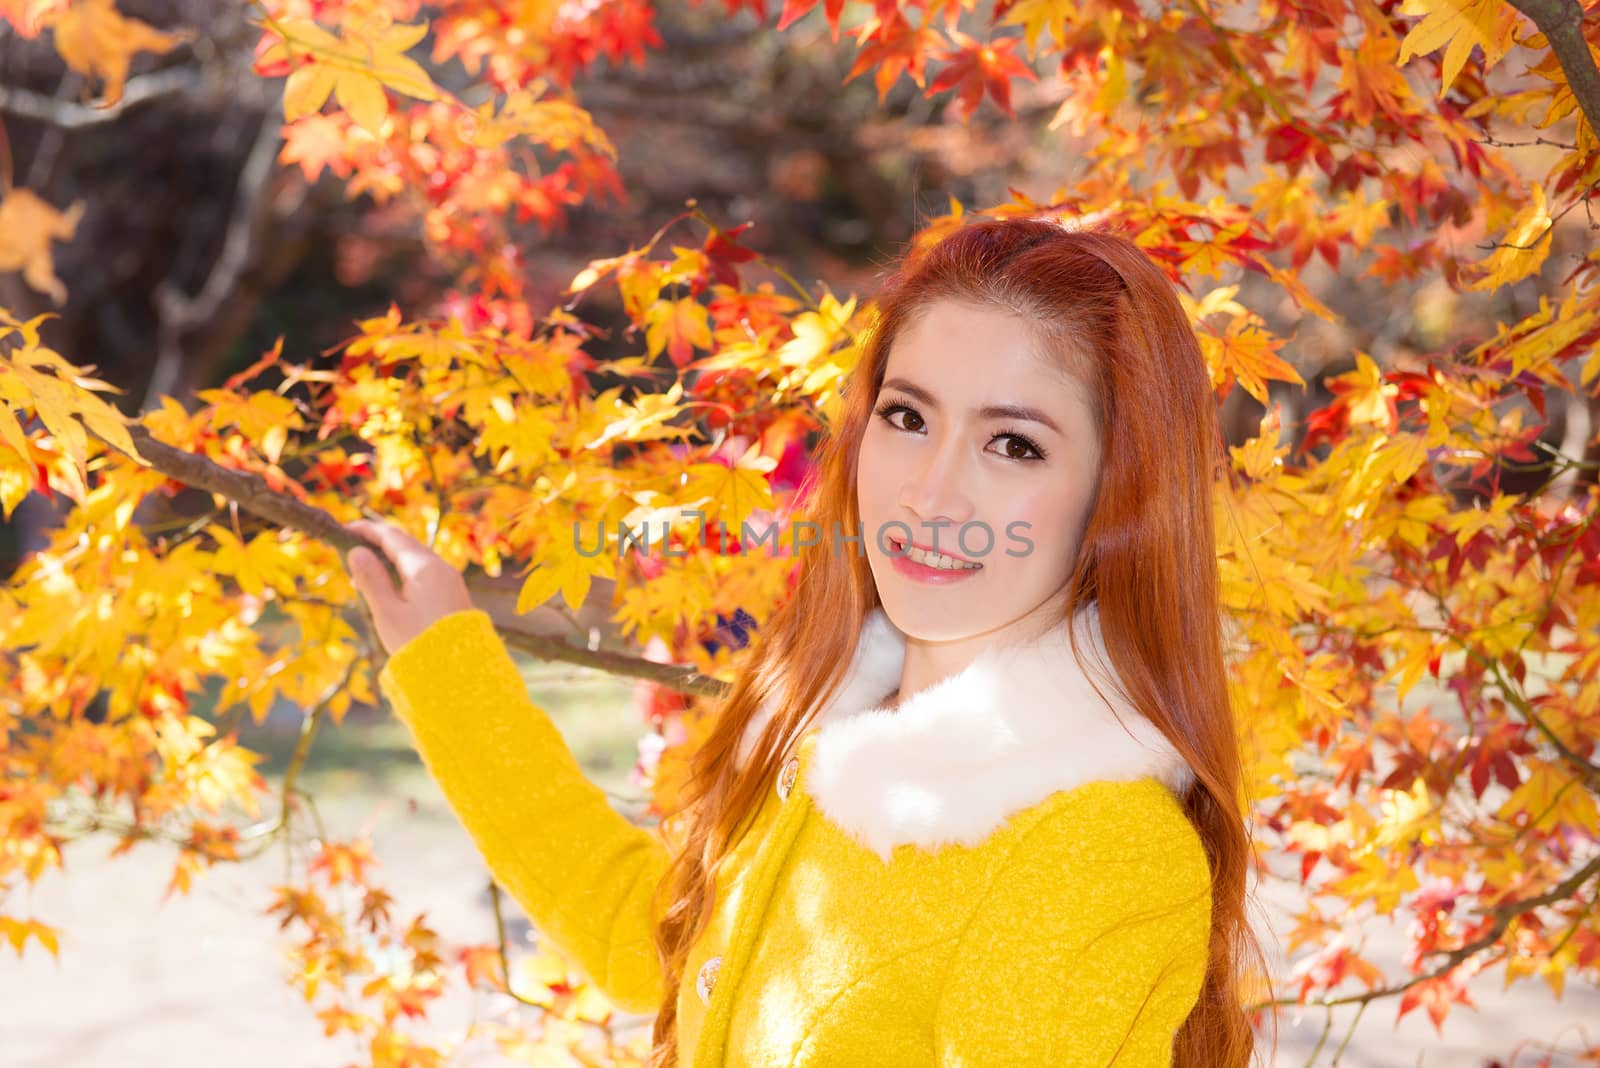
{"type": "Point", "coordinates": [1147, 558]}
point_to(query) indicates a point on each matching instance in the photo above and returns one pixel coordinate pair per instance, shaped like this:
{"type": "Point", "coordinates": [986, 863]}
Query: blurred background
{"type": "Point", "coordinates": [203, 249]}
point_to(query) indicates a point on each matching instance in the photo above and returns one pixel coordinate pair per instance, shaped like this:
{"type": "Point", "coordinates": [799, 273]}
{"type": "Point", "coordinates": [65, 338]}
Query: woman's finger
{"type": "Point", "coordinates": [407, 553]}
{"type": "Point", "coordinates": [368, 573]}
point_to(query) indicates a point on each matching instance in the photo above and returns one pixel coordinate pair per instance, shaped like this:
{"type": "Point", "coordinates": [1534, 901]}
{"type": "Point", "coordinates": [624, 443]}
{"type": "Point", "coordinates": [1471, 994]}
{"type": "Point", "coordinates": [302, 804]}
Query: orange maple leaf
{"type": "Point", "coordinates": [27, 226]}
{"type": "Point", "coordinates": [1436, 996]}
{"type": "Point", "coordinates": [95, 39]}
{"type": "Point", "coordinates": [342, 862]}
{"type": "Point", "coordinates": [315, 142]}
{"type": "Point", "coordinates": [896, 48]}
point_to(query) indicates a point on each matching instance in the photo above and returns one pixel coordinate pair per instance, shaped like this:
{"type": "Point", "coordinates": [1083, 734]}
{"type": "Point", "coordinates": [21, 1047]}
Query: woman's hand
{"type": "Point", "coordinates": [431, 589]}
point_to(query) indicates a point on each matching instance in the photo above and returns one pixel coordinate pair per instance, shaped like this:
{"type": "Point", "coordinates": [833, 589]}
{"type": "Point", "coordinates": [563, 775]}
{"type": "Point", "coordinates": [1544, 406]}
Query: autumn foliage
{"type": "Point", "coordinates": [1414, 619]}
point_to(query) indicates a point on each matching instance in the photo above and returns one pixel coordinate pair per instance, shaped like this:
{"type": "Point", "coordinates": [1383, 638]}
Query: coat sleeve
{"type": "Point", "coordinates": [1084, 953]}
{"type": "Point", "coordinates": [582, 873]}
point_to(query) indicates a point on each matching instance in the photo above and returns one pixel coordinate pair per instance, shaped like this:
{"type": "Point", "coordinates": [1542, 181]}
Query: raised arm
{"type": "Point", "coordinates": [583, 874]}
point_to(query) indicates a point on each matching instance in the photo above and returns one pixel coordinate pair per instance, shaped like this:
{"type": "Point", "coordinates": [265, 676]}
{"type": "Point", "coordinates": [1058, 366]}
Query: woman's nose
{"type": "Point", "coordinates": [934, 488]}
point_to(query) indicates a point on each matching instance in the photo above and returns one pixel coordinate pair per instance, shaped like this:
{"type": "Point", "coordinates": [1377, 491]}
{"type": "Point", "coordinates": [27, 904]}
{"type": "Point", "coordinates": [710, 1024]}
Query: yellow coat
{"type": "Point", "coordinates": [993, 873]}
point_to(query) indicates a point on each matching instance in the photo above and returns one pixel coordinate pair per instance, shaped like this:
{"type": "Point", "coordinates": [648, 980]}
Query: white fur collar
{"type": "Point", "coordinates": [954, 761]}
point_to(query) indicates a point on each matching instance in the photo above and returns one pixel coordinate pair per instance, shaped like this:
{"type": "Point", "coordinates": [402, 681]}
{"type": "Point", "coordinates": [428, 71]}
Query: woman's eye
{"type": "Point", "coordinates": [1020, 448]}
{"type": "Point", "coordinates": [913, 420]}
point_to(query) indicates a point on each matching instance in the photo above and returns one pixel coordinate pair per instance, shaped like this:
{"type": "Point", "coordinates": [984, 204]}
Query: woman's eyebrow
{"type": "Point", "coordinates": [990, 411]}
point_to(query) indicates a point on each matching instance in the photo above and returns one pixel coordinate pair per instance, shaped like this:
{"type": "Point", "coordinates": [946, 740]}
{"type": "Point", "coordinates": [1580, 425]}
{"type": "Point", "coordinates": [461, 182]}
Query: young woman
{"type": "Point", "coordinates": [974, 798]}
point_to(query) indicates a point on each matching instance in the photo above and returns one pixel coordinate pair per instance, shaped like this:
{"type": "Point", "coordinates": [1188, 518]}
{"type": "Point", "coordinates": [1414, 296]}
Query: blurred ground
{"type": "Point", "coordinates": [198, 982]}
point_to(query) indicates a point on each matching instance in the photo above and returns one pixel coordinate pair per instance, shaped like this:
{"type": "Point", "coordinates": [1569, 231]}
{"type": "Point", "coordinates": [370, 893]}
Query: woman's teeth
{"type": "Point", "coordinates": [939, 560]}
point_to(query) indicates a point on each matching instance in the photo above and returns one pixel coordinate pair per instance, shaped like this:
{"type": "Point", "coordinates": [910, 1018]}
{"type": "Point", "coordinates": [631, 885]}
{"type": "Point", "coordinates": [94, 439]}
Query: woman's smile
{"type": "Point", "coordinates": [924, 565]}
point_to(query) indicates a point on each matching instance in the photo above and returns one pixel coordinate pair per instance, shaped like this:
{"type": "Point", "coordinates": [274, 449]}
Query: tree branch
{"type": "Point", "coordinates": [1561, 22]}
{"type": "Point", "coordinates": [250, 491]}
{"type": "Point", "coordinates": [69, 115]}
{"type": "Point", "coordinates": [1501, 917]}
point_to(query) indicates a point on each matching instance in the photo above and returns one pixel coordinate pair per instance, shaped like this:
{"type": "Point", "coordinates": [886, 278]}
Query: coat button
{"type": "Point", "coordinates": [786, 778]}
{"type": "Point", "coordinates": [707, 978]}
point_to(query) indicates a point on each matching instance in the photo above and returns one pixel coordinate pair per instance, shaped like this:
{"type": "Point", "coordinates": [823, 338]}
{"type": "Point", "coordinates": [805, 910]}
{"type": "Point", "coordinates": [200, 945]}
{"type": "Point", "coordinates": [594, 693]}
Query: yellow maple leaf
{"type": "Point", "coordinates": [262, 562]}
{"type": "Point", "coordinates": [520, 434]}
{"type": "Point", "coordinates": [1374, 880]}
{"type": "Point", "coordinates": [17, 933]}
{"type": "Point", "coordinates": [732, 493]}
{"type": "Point", "coordinates": [560, 125]}
{"type": "Point", "coordinates": [16, 474]}
{"type": "Point", "coordinates": [37, 377]}
{"type": "Point", "coordinates": [1524, 248]}
{"type": "Point", "coordinates": [1548, 799]}
{"type": "Point", "coordinates": [679, 326]}
{"type": "Point", "coordinates": [1036, 15]}
{"type": "Point", "coordinates": [1458, 25]}
{"type": "Point", "coordinates": [560, 568]}
{"type": "Point", "coordinates": [1408, 816]}
{"type": "Point", "coordinates": [97, 40]}
{"type": "Point", "coordinates": [610, 419]}
{"type": "Point", "coordinates": [1262, 456]}
{"type": "Point", "coordinates": [1368, 397]}
{"type": "Point", "coordinates": [355, 68]}
{"type": "Point", "coordinates": [817, 332]}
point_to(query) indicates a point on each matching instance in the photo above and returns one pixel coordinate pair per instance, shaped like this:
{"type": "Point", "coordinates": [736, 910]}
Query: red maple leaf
{"type": "Point", "coordinates": [795, 9]}
{"type": "Point", "coordinates": [975, 66]}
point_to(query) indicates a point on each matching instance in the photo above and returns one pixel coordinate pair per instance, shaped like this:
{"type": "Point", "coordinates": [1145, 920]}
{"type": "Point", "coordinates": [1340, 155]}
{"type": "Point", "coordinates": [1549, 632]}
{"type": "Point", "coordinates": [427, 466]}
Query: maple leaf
{"type": "Point", "coordinates": [18, 475]}
{"type": "Point", "coordinates": [896, 48]}
{"type": "Point", "coordinates": [1365, 394]}
{"type": "Point", "coordinates": [1249, 354]}
{"type": "Point", "coordinates": [1524, 248]}
{"type": "Point", "coordinates": [355, 69]}
{"type": "Point", "coordinates": [562, 568]}
{"type": "Point", "coordinates": [816, 333]}
{"type": "Point", "coordinates": [1436, 996]}
{"type": "Point", "coordinates": [796, 9]}
{"type": "Point", "coordinates": [723, 253]}
{"type": "Point", "coordinates": [336, 1018]}
{"type": "Point", "coordinates": [343, 862]}
{"type": "Point", "coordinates": [560, 125]}
{"type": "Point", "coordinates": [375, 906]}
{"type": "Point", "coordinates": [610, 418]}
{"type": "Point", "coordinates": [316, 142]}
{"type": "Point", "coordinates": [1548, 801]}
{"type": "Point", "coordinates": [482, 966]}
{"type": "Point", "coordinates": [1373, 83]}
{"type": "Point", "coordinates": [17, 932]}
{"type": "Point", "coordinates": [184, 869]}
{"type": "Point", "coordinates": [28, 224]}
{"type": "Point", "coordinates": [974, 67]}
{"type": "Point", "coordinates": [34, 376]}
{"type": "Point", "coordinates": [733, 491]}
{"type": "Point", "coordinates": [97, 40]}
{"type": "Point", "coordinates": [1035, 16]}
{"type": "Point", "coordinates": [678, 326]}
{"type": "Point", "coordinates": [1456, 26]}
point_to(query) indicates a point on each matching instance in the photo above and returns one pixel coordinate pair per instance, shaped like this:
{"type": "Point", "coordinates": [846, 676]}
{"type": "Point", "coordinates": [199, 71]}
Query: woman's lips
{"type": "Point", "coordinates": [933, 576]}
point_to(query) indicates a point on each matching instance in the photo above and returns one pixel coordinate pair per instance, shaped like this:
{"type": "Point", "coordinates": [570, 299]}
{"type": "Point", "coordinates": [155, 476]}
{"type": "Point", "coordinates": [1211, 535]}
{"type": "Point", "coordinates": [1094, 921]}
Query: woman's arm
{"type": "Point", "coordinates": [583, 874]}
{"type": "Point", "coordinates": [1086, 952]}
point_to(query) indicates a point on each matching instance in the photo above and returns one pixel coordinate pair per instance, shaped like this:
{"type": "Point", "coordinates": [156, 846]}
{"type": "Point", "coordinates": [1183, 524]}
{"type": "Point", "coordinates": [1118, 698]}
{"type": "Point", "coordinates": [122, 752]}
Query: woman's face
{"type": "Point", "coordinates": [979, 442]}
